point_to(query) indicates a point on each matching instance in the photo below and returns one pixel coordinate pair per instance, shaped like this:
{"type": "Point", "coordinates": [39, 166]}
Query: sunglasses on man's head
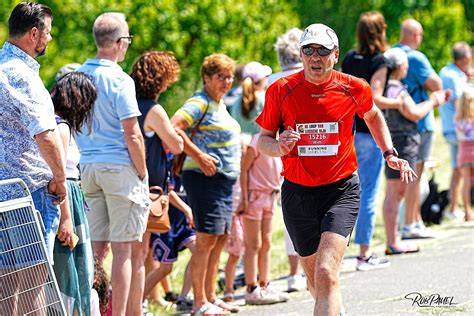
{"type": "Point", "coordinates": [322, 51]}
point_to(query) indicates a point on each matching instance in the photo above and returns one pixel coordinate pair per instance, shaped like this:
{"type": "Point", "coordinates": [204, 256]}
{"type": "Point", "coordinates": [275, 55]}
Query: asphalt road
{"type": "Point", "coordinates": [443, 271]}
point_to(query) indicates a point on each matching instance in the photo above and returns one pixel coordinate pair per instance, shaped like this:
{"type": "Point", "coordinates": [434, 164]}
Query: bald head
{"type": "Point", "coordinates": [461, 50]}
{"type": "Point", "coordinates": [411, 33]}
{"type": "Point", "coordinates": [462, 55]}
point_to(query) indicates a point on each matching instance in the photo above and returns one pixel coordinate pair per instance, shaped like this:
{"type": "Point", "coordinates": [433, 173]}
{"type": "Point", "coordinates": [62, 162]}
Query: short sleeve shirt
{"type": "Point", "coordinates": [247, 125]}
{"type": "Point", "coordinates": [218, 133]}
{"type": "Point", "coordinates": [264, 174]}
{"type": "Point", "coordinates": [419, 70]}
{"type": "Point", "coordinates": [465, 130]}
{"type": "Point", "coordinates": [26, 110]}
{"type": "Point", "coordinates": [292, 101]}
{"type": "Point", "coordinates": [104, 142]}
{"type": "Point", "coordinates": [454, 79]}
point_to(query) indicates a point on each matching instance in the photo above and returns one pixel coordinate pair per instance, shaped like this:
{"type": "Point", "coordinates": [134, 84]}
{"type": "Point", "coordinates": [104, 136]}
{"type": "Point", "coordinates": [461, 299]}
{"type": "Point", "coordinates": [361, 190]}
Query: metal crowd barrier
{"type": "Point", "coordinates": [27, 282]}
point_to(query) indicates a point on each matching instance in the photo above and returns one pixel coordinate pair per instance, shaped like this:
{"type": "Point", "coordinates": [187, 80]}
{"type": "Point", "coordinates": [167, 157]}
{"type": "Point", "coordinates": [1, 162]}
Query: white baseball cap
{"type": "Point", "coordinates": [319, 34]}
{"type": "Point", "coordinates": [256, 71]}
{"type": "Point", "coordinates": [396, 56]}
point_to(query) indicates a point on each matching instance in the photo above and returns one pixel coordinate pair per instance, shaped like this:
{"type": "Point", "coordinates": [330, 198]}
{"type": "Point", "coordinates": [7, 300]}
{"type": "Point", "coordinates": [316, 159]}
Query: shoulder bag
{"type": "Point", "coordinates": [158, 220]}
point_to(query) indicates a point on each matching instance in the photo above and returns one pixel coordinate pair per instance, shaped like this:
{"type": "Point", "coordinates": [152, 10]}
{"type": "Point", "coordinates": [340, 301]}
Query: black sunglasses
{"type": "Point", "coordinates": [129, 39]}
{"type": "Point", "coordinates": [322, 51]}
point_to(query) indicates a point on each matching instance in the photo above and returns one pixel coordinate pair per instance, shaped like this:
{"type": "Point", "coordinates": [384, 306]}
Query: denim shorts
{"type": "Point", "coordinates": [19, 239]}
{"type": "Point", "coordinates": [210, 199]}
{"type": "Point", "coordinates": [408, 148]}
{"type": "Point", "coordinates": [426, 143]}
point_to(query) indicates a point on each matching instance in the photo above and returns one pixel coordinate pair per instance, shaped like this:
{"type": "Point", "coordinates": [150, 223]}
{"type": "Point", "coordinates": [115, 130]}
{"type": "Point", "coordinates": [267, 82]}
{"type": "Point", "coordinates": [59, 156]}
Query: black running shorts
{"type": "Point", "coordinates": [310, 211]}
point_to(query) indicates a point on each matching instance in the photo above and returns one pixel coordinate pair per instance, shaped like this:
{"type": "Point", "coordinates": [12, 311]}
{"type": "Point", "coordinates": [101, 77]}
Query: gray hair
{"type": "Point", "coordinates": [288, 47]}
{"type": "Point", "coordinates": [460, 50]}
{"type": "Point", "coordinates": [108, 28]}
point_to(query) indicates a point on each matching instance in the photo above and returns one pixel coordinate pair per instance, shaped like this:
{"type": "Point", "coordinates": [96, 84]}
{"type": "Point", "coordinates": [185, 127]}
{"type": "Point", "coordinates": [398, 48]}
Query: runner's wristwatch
{"type": "Point", "coordinates": [390, 152]}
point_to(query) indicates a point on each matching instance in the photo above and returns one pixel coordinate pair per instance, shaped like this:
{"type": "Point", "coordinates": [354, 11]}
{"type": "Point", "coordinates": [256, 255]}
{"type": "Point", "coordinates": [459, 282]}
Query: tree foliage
{"type": "Point", "coordinates": [245, 30]}
{"type": "Point", "coordinates": [444, 21]}
{"type": "Point", "coordinates": [445, 25]}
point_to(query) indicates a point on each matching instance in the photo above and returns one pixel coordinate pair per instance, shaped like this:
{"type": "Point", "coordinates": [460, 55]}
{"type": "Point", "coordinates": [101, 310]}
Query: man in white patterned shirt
{"type": "Point", "coordinates": [30, 147]}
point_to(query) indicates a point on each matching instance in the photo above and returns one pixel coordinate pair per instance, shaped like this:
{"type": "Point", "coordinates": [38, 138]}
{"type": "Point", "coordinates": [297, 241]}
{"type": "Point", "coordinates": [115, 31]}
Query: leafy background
{"type": "Point", "coordinates": [246, 30]}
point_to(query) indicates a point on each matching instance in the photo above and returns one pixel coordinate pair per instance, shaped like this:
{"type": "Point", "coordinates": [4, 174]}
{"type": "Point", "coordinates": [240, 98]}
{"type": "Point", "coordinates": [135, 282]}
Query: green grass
{"type": "Point", "coordinates": [279, 266]}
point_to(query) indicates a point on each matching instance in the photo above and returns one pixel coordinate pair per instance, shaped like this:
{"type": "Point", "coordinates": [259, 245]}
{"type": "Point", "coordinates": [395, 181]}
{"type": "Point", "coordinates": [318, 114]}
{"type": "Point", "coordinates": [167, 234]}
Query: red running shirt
{"type": "Point", "coordinates": [292, 101]}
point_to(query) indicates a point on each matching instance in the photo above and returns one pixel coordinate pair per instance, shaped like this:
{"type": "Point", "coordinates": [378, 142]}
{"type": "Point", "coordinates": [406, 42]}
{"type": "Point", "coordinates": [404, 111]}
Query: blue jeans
{"type": "Point", "coordinates": [453, 146]}
{"type": "Point", "coordinates": [49, 214]}
{"type": "Point", "coordinates": [370, 161]}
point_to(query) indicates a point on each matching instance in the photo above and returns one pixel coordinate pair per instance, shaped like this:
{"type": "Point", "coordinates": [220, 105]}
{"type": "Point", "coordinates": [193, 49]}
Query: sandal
{"type": "Point", "coordinates": [210, 309]}
{"type": "Point", "coordinates": [392, 250]}
{"type": "Point", "coordinates": [228, 297]}
{"type": "Point", "coordinates": [225, 306]}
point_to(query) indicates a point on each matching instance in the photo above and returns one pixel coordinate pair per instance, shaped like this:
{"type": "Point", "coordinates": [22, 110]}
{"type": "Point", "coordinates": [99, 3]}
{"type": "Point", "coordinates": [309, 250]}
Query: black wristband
{"type": "Point", "coordinates": [390, 152]}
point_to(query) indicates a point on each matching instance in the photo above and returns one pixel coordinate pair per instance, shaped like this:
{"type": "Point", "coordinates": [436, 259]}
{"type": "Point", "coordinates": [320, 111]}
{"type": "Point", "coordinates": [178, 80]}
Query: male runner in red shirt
{"type": "Point", "coordinates": [313, 111]}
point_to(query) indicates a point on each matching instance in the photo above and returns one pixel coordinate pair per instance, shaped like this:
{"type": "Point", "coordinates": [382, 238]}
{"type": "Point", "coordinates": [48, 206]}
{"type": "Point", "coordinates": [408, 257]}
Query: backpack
{"type": "Point", "coordinates": [433, 207]}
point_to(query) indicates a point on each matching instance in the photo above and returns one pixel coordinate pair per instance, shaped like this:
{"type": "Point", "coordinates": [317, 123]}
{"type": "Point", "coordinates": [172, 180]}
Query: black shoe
{"type": "Point", "coordinates": [184, 305]}
{"type": "Point", "coordinates": [171, 297]}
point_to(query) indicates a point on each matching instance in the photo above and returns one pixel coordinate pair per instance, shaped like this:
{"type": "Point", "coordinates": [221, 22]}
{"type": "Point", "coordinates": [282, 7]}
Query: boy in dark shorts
{"type": "Point", "coordinates": [165, 246]}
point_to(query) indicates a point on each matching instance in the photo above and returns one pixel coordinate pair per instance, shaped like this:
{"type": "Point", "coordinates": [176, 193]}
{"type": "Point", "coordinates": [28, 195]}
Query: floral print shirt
{"type": "Point", "coordinates": [26, 110]}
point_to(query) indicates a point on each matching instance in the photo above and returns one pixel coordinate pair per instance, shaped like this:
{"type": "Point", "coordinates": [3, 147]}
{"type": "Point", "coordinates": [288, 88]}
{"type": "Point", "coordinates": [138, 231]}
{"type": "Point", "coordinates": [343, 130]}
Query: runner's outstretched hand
{"type": "Point", "coordinates": [406, 172]}
{"type": "Point", "coordinates": [287, 140]}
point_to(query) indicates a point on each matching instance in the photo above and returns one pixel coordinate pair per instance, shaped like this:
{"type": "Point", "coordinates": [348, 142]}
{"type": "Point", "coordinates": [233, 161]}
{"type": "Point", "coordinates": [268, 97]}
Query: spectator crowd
{"type": "Point", "coordinates": [99, 151]}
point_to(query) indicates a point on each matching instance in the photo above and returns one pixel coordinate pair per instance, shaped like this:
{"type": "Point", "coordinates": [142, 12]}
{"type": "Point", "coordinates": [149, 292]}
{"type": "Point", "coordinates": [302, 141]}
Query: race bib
{"type": "Point", "coordinates": [318, 139]}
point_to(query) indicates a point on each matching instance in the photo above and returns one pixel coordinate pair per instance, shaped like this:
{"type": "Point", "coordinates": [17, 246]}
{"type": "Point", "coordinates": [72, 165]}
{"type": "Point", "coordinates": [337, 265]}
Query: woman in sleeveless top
{"type": "Point", "coordinates": [73, 98]}
{"type": "Point", "coordinates": [153, 73]}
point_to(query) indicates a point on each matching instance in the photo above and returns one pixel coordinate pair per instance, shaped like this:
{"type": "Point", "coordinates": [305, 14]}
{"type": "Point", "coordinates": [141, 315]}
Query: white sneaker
{"type": "Point", "coordinates": [145, 310]}
{"type": "Point", "coordinates": [372, 263]}
{"type": "Point", "coordinates": [296, 283]}
{"type": "Point", "coordinates": [261, 296]}
{"type": "Point", "coordinates": [417, 233]}
{"type": "Point", "coordinates": [455, 215]}
{"type": "Point", "coordinates": [283, 296]}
